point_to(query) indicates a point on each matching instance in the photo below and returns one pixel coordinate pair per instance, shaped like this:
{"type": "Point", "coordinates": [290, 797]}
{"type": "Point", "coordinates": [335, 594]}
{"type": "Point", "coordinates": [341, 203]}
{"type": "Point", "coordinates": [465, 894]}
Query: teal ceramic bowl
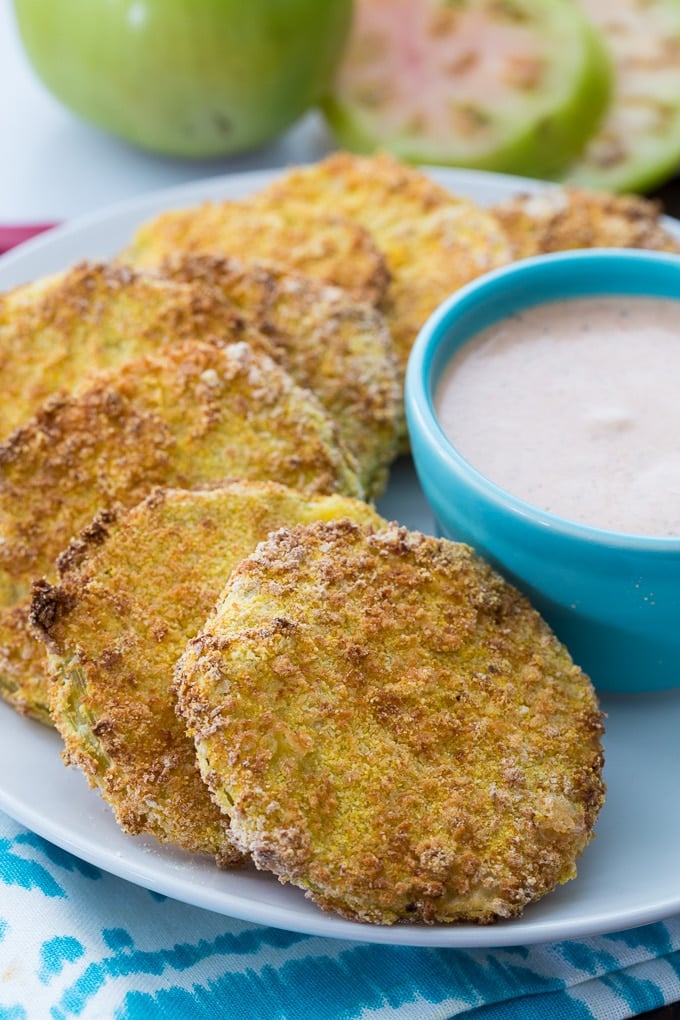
{"type": "Point", "coordinates": [612, 598]}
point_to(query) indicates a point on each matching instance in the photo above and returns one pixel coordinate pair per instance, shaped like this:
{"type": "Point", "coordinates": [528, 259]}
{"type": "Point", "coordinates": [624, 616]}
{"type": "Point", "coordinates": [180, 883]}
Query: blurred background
{"type": "Point", "coordinates": [515, 86]}
{"type": "Point", "coordinates": [54, 165]}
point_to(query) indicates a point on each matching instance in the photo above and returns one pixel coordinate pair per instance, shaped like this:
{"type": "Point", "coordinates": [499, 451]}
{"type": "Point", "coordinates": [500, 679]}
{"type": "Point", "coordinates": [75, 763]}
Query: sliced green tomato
{"type": "Point", "coordinates": [509, 85]}
{"type": "Point", "coordinates": [187, 78]}
{"type": "Point", "coordinates": [638, 143]}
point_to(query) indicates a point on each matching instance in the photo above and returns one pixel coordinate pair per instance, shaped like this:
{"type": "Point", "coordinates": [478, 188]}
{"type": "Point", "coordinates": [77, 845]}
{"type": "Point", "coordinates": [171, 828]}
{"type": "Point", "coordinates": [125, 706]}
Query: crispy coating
{"type": "Point", "coordinates": [133, 590]}
{"type": "Point", "coordinates": [56, 332]}
{"type": "Point", "coordinates": [392, 727]}
{"type": "Point", "coordinates": [188, 415]}
{"type": "Point", "coordinates": [560, 219]}
{"type": "Point", "coordinates": [321, 244]}
{"type": "Point", "coordinates": [433, 241]}
{"type": "Point", "coordinates": [339, 348]}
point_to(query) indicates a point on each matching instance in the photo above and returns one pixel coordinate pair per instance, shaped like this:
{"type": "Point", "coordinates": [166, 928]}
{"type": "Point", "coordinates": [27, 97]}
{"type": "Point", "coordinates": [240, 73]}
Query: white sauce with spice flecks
{"type": "Point", "coordinates": [574, 406]}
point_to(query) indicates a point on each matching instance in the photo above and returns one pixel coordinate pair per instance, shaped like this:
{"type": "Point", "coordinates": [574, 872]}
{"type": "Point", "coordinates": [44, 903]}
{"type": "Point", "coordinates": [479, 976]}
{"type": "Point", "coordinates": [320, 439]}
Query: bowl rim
{"type": "Point", "coordinates": [421, 379]}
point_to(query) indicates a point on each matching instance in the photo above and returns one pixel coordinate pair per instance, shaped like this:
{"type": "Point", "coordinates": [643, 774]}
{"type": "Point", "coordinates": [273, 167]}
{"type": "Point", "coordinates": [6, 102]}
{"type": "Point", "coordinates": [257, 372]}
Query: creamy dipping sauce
{"type": "Point", "coordinates": [574, 407]}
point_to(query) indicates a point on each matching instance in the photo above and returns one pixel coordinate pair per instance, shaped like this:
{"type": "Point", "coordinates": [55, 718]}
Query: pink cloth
{"type": "Point", "coordinates": [12, 235]}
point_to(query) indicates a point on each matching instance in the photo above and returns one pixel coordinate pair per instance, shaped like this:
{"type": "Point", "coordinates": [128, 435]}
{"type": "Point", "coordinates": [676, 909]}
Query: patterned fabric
{"type": "Point", "coordinates": [76, 942]}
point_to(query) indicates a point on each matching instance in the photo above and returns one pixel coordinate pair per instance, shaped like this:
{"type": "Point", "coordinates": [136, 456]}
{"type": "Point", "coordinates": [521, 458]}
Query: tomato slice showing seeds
{"type": "Point", "coordinates": [510, 85]}
{"type": "Point", "coordinates": [638, 143]}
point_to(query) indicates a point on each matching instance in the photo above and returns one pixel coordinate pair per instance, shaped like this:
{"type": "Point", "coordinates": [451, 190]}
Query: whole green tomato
{"type": "Point", "coordinates": [190, 78]}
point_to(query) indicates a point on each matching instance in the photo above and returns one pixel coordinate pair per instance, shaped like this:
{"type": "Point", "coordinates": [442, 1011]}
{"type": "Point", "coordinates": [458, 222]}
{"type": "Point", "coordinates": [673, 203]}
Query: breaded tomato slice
{"type": "Point", "coordinates": [392, 727]}
{"type": "Point", "coordinates": [132, 592]}
{"type": "Point", "coordinates": [56, 332]}
{"type": "Point", "coordinates": [433, 242]}
{"type": "Point", "coordinates": [189, 415]}
{"type": "Point", "coordinates": [563, 218]}
{"type": "Point", "coordinates": [317, 243]}
{"type": "Point", "coordinates": [338, 347]}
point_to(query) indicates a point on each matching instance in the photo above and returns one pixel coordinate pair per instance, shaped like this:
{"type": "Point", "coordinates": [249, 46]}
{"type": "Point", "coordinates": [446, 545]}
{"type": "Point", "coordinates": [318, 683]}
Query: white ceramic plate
{"type": "Point", "coordinates": [630, 875]}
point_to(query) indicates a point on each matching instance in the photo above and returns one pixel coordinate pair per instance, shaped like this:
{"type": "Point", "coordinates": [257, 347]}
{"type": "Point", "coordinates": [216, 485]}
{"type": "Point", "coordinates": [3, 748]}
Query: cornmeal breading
{"type": "Point", "coordinates": [188, 415]}
{"type": "Point", "coordinates": [320, 244]}
{"type": "Point", "coordinates": [338, 347]}
{"type": "Point", "coordinates": [429, 242]}
{"type": "Point", "coordinates": [392, 727]}
{"type": "Point", "coordinates": [132, 592]}
{"type": "Point", "coordinates": [560, 219]}
{"type": "Point", "coordinates": [433, 242]}
{"type": "Point", "coordinates": [56, 332]}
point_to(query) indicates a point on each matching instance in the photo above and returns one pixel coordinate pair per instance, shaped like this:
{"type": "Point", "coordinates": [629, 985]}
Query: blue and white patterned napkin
{"type": "Point", "coordinates": [77, 942]}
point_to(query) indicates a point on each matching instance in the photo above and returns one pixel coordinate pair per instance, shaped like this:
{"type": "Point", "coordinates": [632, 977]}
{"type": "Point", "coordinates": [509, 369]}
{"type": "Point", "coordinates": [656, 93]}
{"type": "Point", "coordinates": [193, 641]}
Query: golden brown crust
{"type": "Point", "coordinates": [190, 414]}
{"type": "Point", "coordinates": [564, 218]}
{"type": "Point", "coordinates": [134, 588]}
{"type": "Point", "coordinates": [433, 242]}
{"type": "Point", "coordinates": [22, 662]}
{"type": "Point", "coordinates": [55, 333]}
{"type": "Point", "coordinates": [392, 727]}
{"type": "Point", "coordinates": [336, 346]}
{"type": "Point", "coordinates": [321, 244]}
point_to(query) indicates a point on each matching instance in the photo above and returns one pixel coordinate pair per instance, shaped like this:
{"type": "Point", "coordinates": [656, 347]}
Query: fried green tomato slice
{"type": "Point", "coordinates": [392, 727]}
{"type": "Point", "coordinates": [189, 415]}
{"type": "Point", "coordinates": [133, 590]}
{"type": "Point", "coordinates": [338, 347]}
{"type": "Point", "coordinates": [56, 332]}
{"type": "Point", "coordinates": [317, 243]}
{"type": "Point", "coordinates": [564, 218]}
{"type": "Point", "coordinates": [433, 242]}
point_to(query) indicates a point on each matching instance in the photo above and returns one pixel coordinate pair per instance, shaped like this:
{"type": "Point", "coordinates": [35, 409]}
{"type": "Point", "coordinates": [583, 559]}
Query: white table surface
{"type": "Point", "coordinates": [54, 166]}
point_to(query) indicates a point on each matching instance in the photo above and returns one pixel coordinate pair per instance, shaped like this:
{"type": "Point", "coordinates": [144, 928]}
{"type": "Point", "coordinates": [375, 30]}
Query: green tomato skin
{"type": "Point", "coordinates": [641, 173]}
{"type": "Point", "coordinates": [649, 158]}
{"type": "Point", "coordinates": [189, 78]}
{"type": "Point", "coordinates": [542, 150]}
